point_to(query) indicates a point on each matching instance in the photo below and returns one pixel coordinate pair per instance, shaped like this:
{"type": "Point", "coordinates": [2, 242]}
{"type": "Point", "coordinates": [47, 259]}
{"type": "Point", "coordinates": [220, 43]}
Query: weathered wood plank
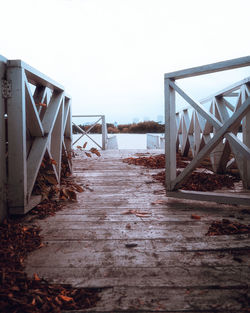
{"type": "Point", "coordinates": [170, 276]}
{"type": "Point", "coordinates": [217, 245]}
{"type": "Point", "coordinates": [164, 299]}
{"type": "Point", "coordinates": [76, 232]}
{"type": "Point", "coordinates": [158, 216]}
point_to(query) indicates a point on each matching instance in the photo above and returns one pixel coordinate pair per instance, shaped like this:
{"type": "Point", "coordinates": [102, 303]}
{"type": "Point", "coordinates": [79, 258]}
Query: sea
{"type": "Point", "coordinates": [125, 141]}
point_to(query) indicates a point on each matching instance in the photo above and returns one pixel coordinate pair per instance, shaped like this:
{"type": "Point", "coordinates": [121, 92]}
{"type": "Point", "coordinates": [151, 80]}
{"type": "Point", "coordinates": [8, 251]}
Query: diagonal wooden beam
{"type": "Point", "coordinates": [84, 133]}
{"type": "Point", "coordinates": [33, 121]}
{"type": "Point", "coordinates": [197, 106]}
{"type": "Point", "coordinates": [40, 143]}
{"type": "Point", "coordinates": [227, 127]}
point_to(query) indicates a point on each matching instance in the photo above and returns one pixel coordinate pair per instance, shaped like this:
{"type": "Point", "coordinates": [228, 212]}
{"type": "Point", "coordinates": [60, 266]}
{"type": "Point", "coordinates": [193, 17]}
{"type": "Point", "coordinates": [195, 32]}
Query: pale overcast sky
{"type": "Point", "coordinates": [111, 55]}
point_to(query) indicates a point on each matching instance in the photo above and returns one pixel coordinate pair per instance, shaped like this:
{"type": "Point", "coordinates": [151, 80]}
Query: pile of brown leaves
{"type": "Point", "coordinates": [18, 293]}
{"type": "Point", "coordinates": [227, 227]}
{"type": "Point", "coordinates": [157, 161]}
{"type": "Point", "coordinates": [198, 181]}
{"type": "Point", "coordinates": [48, 186]}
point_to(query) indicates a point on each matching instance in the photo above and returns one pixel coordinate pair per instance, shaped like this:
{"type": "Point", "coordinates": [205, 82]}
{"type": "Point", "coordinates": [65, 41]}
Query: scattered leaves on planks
{"type": "Point", "coordinates": [92, 150]}
{"type": "Point", "coordinates": [18, 293]}
{"type": "Point", "coordinates": [227, 227]}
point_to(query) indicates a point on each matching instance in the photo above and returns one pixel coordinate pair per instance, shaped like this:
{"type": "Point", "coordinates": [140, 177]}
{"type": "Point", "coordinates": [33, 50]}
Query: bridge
{"type": "Point", "coordinates": [147, 250]}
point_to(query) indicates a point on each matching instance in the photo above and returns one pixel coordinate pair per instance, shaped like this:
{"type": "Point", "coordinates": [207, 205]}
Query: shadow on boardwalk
{"type": "Point", "coordinates": [142, 248]}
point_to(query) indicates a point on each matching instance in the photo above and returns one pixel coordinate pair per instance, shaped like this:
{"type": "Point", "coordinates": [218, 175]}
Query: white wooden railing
{"type": "Point", "coordinates": [108, 142]}
{"type": "Point", "coordinates": [209, 133]}
{"type": "Point", "coordinates": [38, 123]}
{"type": "Point", "coordinates": [100, 118]}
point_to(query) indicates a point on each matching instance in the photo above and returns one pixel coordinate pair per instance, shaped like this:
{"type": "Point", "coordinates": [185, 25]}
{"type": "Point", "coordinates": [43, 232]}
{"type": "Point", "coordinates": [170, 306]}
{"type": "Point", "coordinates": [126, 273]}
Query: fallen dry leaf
{"type": "Point", "coordinates": [36, 277]}
{"type": "Point", "coordinates": [85, 145]}
{"type": "Point", "coordinates": [158, 202]}
{"type": "Point", "coordinates": [65, 298]}
{"type": "Point", "coordinates": [195, 217]}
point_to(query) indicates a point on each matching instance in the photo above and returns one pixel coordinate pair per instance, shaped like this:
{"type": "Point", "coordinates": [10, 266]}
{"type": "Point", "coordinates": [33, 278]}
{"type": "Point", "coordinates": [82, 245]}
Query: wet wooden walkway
{"type": "Point", "coordinates": [156, 262]}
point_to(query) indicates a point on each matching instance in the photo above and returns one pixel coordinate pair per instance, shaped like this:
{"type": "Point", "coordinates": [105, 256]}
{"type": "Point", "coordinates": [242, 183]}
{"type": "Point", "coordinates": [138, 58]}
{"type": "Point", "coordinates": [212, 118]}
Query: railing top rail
{"type": "Point", "coordinates": [87, 115]}
{"type": "Point", "coordinates": [226, 91]}
{"type": "Point", "coordinates": [210, 68]}
{"type": "Point", "coordinates": [34, 76]}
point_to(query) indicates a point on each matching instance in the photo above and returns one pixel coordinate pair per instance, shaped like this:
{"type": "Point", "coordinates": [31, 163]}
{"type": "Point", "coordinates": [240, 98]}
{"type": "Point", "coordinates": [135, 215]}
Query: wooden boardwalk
{"type": "Point", "coordinates": [160, 262]}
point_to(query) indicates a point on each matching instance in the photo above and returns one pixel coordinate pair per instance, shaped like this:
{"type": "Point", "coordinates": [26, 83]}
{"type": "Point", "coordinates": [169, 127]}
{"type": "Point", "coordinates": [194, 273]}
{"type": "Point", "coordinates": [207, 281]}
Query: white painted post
{"type": "Point", "coordinates": [17, 154]}
{"type": "Point", "coordinates": [3, 182]}
{"type": "Point", "coordinates": [170, 135]}
{"type": "Point", "coordinates": [104, 133]}
{"type": "Point", "coordinates": [56, 140]}
{"type": "Point", "coordinates": [68, 129]}
{"type": "Point", "coordinates": [246, 141]}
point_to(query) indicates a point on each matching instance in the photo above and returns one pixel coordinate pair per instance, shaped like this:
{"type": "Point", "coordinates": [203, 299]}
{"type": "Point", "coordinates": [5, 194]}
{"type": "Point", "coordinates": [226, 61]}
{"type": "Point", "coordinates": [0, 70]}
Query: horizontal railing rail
{"type": "Point", "coordinates": [208, 133]}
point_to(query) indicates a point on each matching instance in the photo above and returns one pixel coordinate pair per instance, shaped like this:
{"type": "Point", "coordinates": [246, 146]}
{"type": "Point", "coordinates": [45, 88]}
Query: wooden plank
{"type": "Point", "coordinates": [232, 198]}
{"type": "Point", "coordinates": [170, 276]}
{"type": "Point", "coordinates": [77, 233]}
{"type": "Point", "coordinates": [82, 257]}
{"type": "Point", "coordinates": [158, 216]}
{"type": "Point", "coordinates": [227, 246]}
{"type": "Point", "coordinates": [17, 167]}
{"type": "Point", "coordinates": [164, 299]}
{"type": "Point", "coordinates": [3, 178]}
{"type": "Point", "coordinates": [170, 134]}
{"type": "Point", "coordinates": [210, 68]}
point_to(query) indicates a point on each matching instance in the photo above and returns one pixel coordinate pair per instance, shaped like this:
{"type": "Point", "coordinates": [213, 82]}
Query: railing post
{"type": "Point", "coordinates": [17, 154]}
{"type": "Point", "coordinates": [246, 141]}
{"type": "Point", "coordinates": [170, 135]}
{"type": "Point", "coordinates": [104, 133]}
{"type": "Point", "coordinates": [3, 182]}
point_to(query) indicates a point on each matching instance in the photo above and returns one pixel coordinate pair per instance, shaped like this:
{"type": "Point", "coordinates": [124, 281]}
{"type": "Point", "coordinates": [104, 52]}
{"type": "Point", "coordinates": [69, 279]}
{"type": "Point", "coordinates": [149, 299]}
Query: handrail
{"type": "Point", "coordinates": [204, 131]}
{"type": "Point", "coordinates": [86, 133]}
{"type": "Point", "coordinates": [209, 68]}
